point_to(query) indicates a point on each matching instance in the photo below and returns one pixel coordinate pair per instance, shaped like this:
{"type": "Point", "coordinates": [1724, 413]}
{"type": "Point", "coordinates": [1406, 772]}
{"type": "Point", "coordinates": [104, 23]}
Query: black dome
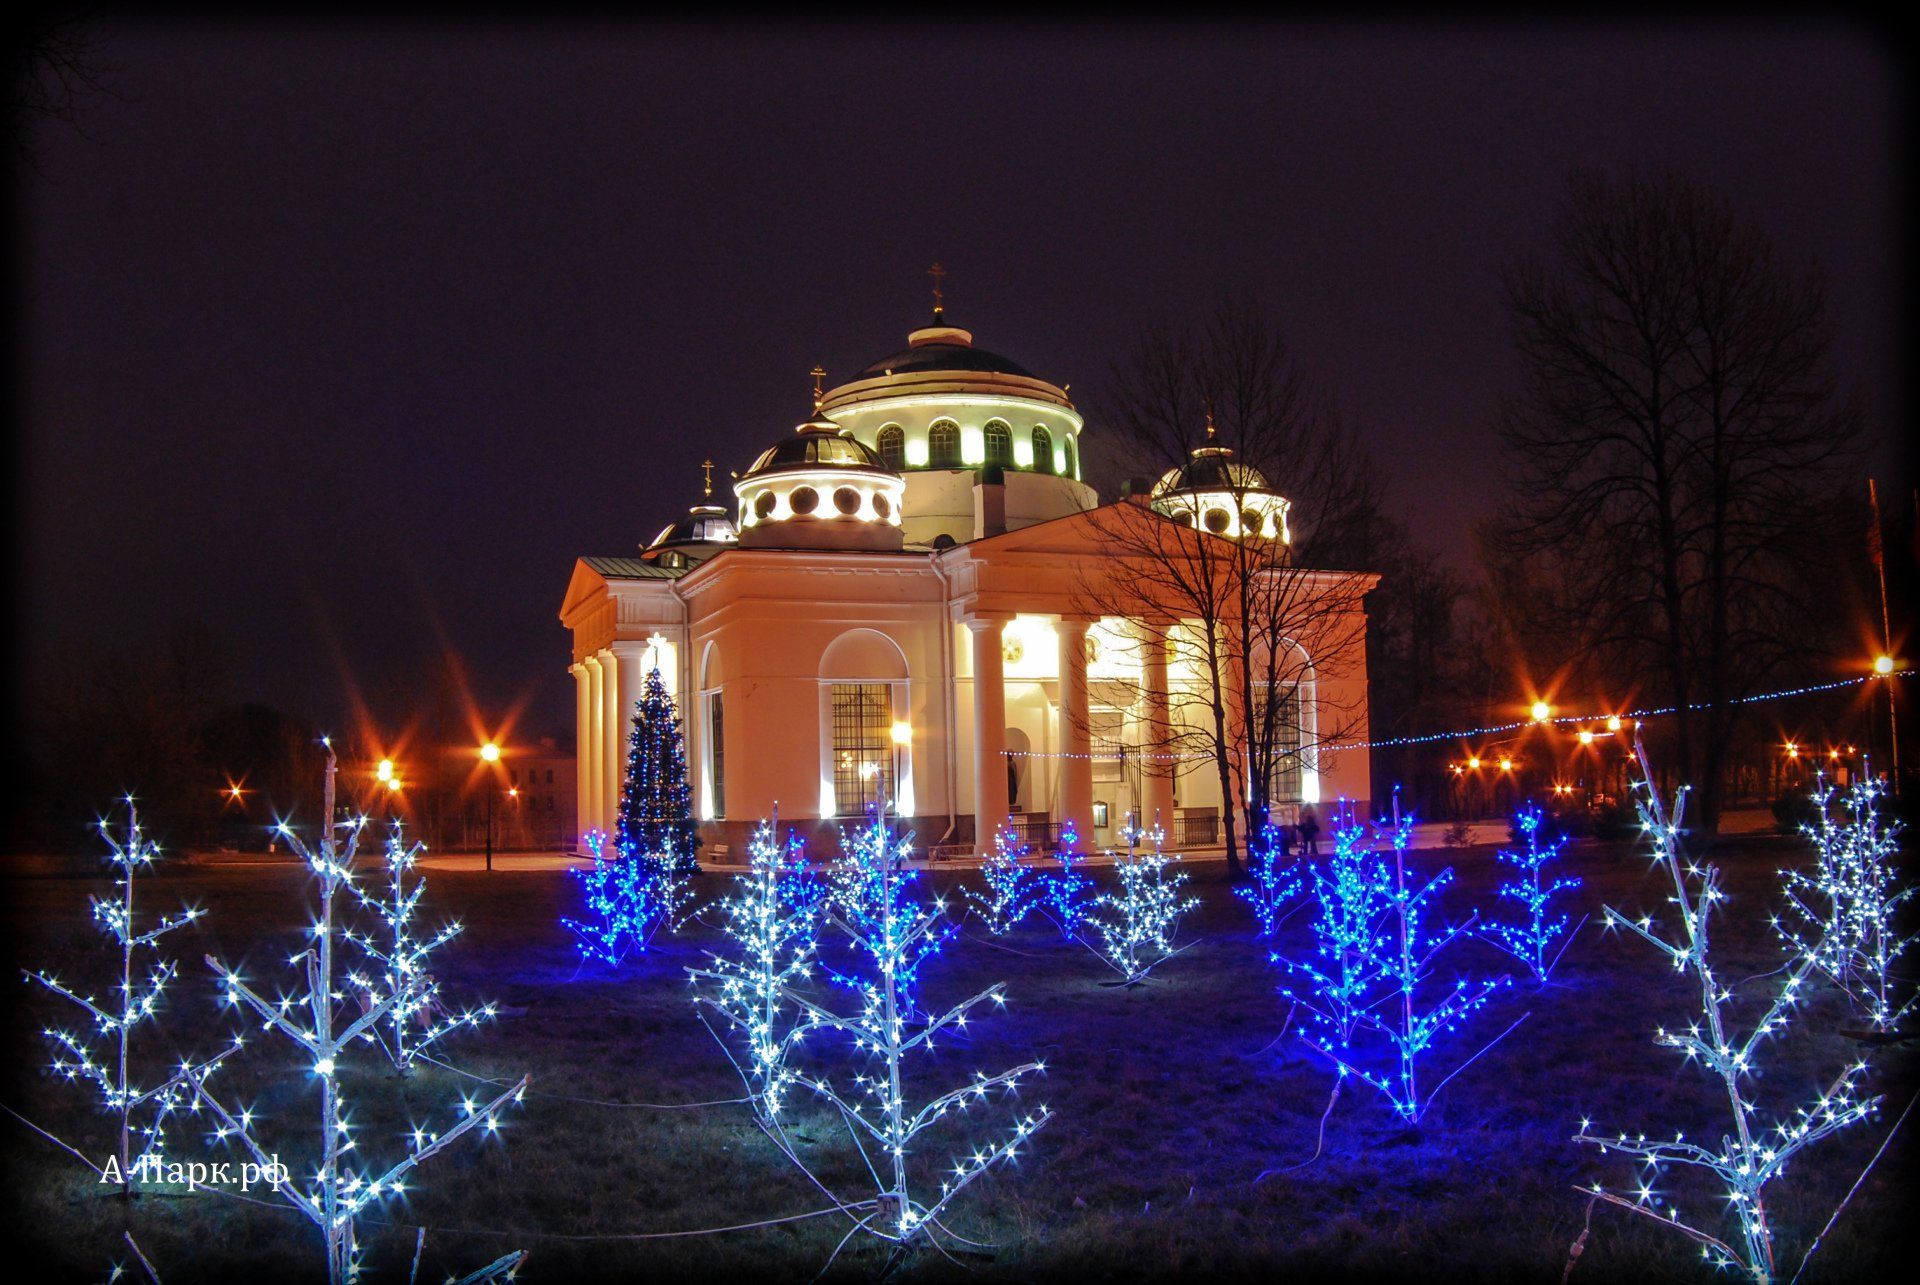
{"type": "Point", "coordinates": [704, 524]}
{"type": "Point", "coordinates": [944, 357]}
{"type": "Point", "coordinates": [817, 444]}
{"type": "Point", "coordinates": [1212, 468]}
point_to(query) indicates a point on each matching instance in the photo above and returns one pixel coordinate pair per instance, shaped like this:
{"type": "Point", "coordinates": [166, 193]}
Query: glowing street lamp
{"type": "Point", "coordinates": [489, 753]}
{"type": "Point", "coordinates": [1883, 665]}
{"type": "Point", "coordinates": [1541, 711]}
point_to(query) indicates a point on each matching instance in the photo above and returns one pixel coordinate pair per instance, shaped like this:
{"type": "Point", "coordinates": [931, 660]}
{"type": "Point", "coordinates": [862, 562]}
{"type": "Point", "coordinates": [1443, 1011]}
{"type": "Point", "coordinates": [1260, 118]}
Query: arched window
{"type": "Point", "coordinates": [892, 447]}
{"type": "Point", "coordinates": [943, 444]}
{"type": "Point", "coordinates": [1042, 450]}
{"type": "Point", "coordinates": [1073, 459]}
{"type": "Point", "coordinates": [999, 443]}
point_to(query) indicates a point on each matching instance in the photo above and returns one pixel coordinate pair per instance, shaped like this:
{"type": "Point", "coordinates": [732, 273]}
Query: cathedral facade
{"type": "Point", "coordinates": [916, 597]}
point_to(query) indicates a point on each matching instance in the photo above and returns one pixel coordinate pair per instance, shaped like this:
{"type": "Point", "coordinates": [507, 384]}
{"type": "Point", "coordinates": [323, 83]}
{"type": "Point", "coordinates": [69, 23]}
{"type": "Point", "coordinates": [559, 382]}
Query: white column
{"type": "Point", "coordinates": [582, 738]}
{"type": "Point", "coordinates": [630, 681]}
{"type": "Point", "coordinates": [989, 731]}
{"type": "Point", "coordinates": [613, 741]}
{"type": "Point", "coordinates": [1075, 736]}
{"type": "Point", "coordinates": [1158, 770]}
{"type": "Point", "coordinates": [593, 755]}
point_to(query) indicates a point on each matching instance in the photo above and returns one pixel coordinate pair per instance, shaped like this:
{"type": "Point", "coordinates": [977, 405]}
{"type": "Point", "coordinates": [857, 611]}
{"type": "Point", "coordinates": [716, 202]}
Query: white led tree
{"type": "Point", "coordinates": [139, 1114]}
{"type": "Point", "coordinates": [1530, 938]}
{"type": "Point", "coordinates": [1135, 922]}
{"type": "Point", "coordinates": [418, 1018]}
{"type": "Point", "coordinates": [1015, 885]}
{"type": "Point", "coordinates": [772, 926]}
{"type": "Point", "coordinates": [1750, 1152]}
{"type": "Point", "coordinates": [890, 933]}
{"type": "Point", "coordinates": [1842, 913]}
{"type": "Point", "coordinates": [1391, 959]}
{"type": "Point", "coordinates": [338, 1188]}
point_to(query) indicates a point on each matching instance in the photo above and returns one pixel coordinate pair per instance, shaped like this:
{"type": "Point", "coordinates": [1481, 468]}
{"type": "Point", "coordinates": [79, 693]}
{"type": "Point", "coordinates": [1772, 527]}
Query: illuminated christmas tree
{"type": "Point", "coordinates": [1530, 939]}
{"type": "Point", "coordinates": [1272, 884]}
{"type": "Point", "coordinates": [140, 1115]}
{"type": "Point", "coordinates": [772, 924]}
{"type": "Point", "coordinates": [890, 933]}
{"type": "Point", "coordinates": [331, 1188]}
{"type": "Point", "coordinates": [656, 803]}
{"type": "Point", "coordinates": [1066, 896]}
{"type": "Point", "coordinates": [1015, 886]}
{"type": "Point", "coordinates": [1135, 922]}
{"type": "Point", "coordinates": [1843, 913]}
{"type": "Point", "coordinates": [418, 1019]}
{"type": "Point", "coordinates": [1750, 1153]}
{"type": "Point", "coordinates": [1352, 901]}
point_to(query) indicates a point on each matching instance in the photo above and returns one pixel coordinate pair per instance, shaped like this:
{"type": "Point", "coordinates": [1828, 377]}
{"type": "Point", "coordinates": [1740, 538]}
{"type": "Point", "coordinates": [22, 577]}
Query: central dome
{"type": "Point", "coordinates": [943, 348]}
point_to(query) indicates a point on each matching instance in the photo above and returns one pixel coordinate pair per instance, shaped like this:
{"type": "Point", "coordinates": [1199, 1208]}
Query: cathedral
{"type": "Point", "coordinates": [912, 598]}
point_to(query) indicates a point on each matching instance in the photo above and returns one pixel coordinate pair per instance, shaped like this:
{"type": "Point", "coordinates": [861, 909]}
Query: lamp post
{"type": "Point", "coordinates": [489, 753]}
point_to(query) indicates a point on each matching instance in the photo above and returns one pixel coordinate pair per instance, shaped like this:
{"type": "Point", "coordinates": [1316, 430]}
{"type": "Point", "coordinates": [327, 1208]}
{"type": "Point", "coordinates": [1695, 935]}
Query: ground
{"type": "Point", "coordinates": [1183, 1140]}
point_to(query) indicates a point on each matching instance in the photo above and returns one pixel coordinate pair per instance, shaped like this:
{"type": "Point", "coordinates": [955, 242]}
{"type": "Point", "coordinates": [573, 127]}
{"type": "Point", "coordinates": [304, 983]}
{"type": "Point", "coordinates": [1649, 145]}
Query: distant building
{"type": "Point", "coordinates": [897, 603]}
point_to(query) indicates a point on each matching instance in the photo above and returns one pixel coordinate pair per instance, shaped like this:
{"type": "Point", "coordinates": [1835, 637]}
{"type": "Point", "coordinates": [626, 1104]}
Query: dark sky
{"type": "Point", "coordinates": [347, 341]}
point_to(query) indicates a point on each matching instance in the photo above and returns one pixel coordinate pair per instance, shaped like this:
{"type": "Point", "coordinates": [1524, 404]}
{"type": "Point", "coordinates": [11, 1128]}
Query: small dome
{"type": "Point", "coordinates": [705, 524]}
{"type": "Point", "coordinates": [1211, 468]}
{"type": "Point", "coordinates": [816, 444]}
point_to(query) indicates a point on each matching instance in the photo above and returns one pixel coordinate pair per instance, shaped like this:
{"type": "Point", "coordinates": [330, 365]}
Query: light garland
{"type": "Point", "coordinates": [891, 933]}
{"type": "Point", "coordinates": [1749, 1155]}
{"type": "Point", "coordinates": [1015, 887]}
{"type": "Point", "coordinates": [136, 1111]}
{"type": "Point", "coordinates": [1845, 909]}
{"type": "Point", "coordinates": [1531, 939]}
{"type": "Point", "coordinates": [337, 1191]}
{"type": "Point", "coordinates": [1136, 921]}
{"type": "Point", "coordinates": [418, 1019]}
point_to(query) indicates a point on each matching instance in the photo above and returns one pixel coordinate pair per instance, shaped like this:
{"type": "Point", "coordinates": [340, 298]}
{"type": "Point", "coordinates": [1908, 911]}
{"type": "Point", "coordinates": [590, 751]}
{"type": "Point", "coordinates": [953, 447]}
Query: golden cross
{"type": "Point", "coordinates": [1209, 419]}
{"type": "Point", "coordinates": [819, 373]}
{"type": "Point", "coordinates": [706, 479]}
{"type": "Point", "coordinates": [938, 274]}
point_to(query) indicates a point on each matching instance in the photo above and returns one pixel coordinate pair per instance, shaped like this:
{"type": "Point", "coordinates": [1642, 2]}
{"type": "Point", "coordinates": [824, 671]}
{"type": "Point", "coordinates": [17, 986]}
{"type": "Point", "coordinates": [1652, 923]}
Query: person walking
{"type": "Point", "coordinates": [1309, 831]}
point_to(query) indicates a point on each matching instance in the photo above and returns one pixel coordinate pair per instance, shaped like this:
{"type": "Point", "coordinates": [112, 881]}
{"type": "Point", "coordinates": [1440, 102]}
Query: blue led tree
{"type": "Point", "coordinates": [771, 924]}
{"type": "Point", "coordinates": [140, 1115]}
{"type": "Point", "coordinates": [875, 906]}
{"type": "Point", "coordinates": [1380, 958]}
{"type": "Point", "coordinates": [1273, 882]}
{"type": "Point", "coordinates": [1530, 938]}
{"type": "Point", "coordinates": [1842, 913]}
{"type": "Point", "coordinates": [656, 805]}
{"type": "Point", "coordinates": [1066, 895]}
{"type": "Point", "coordinates": [1750, 1154]}
{"type": "Point", "coordinates": [419, 1019]}
{"type": "Point", "coordinates": [336, 1190]}
{"type": "Point", "coordinates": [1135, 921]}
{"type": "Point", "coordinates": [1015, 886]}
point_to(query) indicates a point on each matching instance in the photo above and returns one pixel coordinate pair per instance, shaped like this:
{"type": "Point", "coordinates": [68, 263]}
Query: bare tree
{"type": "Point", "coordinates": [57, 67]}
{"type": "Point", "coordinates": [1672, 453]}
{"type": "Point", "coordinates": [1258, 479]}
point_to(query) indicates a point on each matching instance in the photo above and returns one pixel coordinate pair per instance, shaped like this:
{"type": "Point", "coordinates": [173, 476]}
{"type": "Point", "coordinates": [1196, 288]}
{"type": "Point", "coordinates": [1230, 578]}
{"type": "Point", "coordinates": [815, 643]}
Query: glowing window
{"type": "Point", "coordinates": [1073, 459]}
{"type": "Point", "coordinates": [1042, 450]}
{"type": "Point", "coordinates": [892, 447]}
{"type": "Point", "coordinates": [943, 444]}
{"type": "Point", "coordinates": [999, 443]}
{"type": "Point", "coordinates": [862, 745]}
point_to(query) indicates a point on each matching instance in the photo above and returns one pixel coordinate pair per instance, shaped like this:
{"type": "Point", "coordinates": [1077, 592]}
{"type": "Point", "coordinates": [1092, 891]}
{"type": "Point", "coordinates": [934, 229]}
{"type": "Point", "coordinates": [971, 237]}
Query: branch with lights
{"type": "Point", "coordinates": [338, 1190]}
{"type": "Point", "coordinates": [1750, 1153]}
{"type": "Point", "coordinates": [1530, 939]}
{"type": "Point", "coordinates": [1135, 922]}
{"type": "Point", "coordinates": [140, 1115]}
{"type": "Point", "coordinates": [1274, 884]}
{"type": "Point", "coordinates": [417, 1019]}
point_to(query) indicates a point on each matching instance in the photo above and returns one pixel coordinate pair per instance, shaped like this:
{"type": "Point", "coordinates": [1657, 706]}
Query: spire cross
{"type": "Point", "coordinates": [819, 373]}
{"type": "Point", "coordinates": [706, 479]}
{"type": "Point", "coordinates": [1209, 419]}
{"type": "Point", "coordinates": [938, 274]}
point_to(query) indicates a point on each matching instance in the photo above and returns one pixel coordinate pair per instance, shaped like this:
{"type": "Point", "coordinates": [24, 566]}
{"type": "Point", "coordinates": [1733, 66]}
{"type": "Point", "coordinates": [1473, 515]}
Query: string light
{"type": "Point", "coordinates": [1271, 887]}
{"type": "Point", "coordinates": [1136, 920]}
{"type": "Point", "coordinates": [1531, 939]}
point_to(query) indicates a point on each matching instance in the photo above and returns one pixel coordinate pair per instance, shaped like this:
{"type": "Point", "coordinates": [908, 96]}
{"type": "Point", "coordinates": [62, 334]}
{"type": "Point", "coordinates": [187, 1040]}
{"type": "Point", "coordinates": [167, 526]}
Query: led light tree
{"type": "Point", "coordinates": [629, 899]}
{"type": "Point", "coordinates": [656, 804]}
{"type": "Point", "coordinates": [140, 1115]}
{"type": "Point", "coordinates": [1135, 922]}
{"type": "Point", "coordinates": [1404, 958]}
{"type": "Point", "coordinates": [1530, 938]}
{"type": "Point", "coordinates": [1843, 912]}
{"type": "Point", "coordinates": [1352, 900]}
{"type": "Point", "coordinates": [1272, 885]}
{"type": "Point", "coordinates": [1015, 886]}
{"type": "Point", "coordinates": [772, 924]}
{"type": "Point", "coordinates": [417, 1019]}
{"type": "Point", "coordinates": [337, 1190]}
{"type": "Point", "coordinates": [1750, 1153]}
{"type": "Point", "coordinates": [1066, 895]}
{"type": "Point", "coordinates": [891, 933]}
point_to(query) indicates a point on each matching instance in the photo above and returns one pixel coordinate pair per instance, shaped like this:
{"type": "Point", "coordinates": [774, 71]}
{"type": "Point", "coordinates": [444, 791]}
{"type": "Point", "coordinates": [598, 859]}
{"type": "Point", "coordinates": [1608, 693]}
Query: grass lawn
{"type": "Point", "coordinates": [1169, 1105]}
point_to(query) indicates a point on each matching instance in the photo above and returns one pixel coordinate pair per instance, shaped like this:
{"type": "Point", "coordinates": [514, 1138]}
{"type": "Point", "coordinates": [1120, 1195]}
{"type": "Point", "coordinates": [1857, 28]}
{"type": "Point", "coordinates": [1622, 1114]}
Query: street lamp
{"type": "Point", "coordinates": [489, 753]}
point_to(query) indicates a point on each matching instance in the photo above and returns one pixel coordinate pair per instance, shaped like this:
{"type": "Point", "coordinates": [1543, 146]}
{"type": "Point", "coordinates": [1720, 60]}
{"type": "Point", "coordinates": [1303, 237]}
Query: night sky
{"type": "Point", "coordinates": [348, 341]}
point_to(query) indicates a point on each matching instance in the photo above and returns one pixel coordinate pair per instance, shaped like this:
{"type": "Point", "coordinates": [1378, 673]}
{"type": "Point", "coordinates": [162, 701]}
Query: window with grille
{"type": "Point", "coordinates": [943, 444]}
{"type": "Point", "coordinates": [1107, 737]}
{"type": "Point", "coordinates": [1042, 450]}
{"type": "Point", "coordinates": [862, 745]}
{"type": "Point", "coordinates": [999, 440]}
{"type": "Point", "coordinates": [1283, 776]}
{"type": "Point", "coordinates": [892, 444]}
{"type": "Point", "coordinates": [717, 753]}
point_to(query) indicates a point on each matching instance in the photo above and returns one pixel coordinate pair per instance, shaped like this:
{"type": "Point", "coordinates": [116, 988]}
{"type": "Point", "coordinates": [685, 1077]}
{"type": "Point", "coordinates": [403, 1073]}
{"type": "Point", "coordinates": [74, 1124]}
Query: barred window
{"type": "Point", "coordinates": [1284, 777]}
{"type": "Point", "coordinates": [999, 443]}
{"type": "Point", "coordinates": [1107, 740]}
{"type": "Point", "coordinates": [1042, 450]}
{"type": "Point", "coordinates": [943, 444]}
{"type": "Point", "coordinates": [892, 444]}
{"type": "Point", "coordinates": [862, 745]}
